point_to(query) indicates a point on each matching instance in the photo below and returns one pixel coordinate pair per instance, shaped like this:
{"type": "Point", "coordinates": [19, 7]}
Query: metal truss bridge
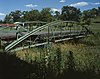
{"type": "Point", "coordinates": [36, 33]}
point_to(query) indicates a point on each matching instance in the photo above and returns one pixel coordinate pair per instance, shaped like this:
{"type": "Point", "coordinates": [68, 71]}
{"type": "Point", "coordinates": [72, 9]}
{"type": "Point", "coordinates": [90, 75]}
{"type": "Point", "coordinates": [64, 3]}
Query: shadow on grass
{"type": "Point", "coordinates": [12, 67]}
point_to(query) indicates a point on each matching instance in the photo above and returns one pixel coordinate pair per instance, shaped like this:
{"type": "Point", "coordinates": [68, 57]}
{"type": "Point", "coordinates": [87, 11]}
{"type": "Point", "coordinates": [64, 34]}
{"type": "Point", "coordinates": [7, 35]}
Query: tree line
{"type": "Point", "coordinates": [46, 14]}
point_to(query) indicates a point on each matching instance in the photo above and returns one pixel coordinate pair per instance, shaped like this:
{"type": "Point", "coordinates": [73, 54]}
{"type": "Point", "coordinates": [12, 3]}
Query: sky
{"type": "Point", "coordinates": [6, 6]}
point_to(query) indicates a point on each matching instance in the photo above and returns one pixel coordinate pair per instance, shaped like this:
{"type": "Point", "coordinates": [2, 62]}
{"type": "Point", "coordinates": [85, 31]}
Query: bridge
{"type": "Point", "coordinates": [37, 33]}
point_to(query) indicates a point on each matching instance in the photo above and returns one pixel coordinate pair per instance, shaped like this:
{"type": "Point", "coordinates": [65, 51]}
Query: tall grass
{"type": "Point", "coordinates": [66, 60]}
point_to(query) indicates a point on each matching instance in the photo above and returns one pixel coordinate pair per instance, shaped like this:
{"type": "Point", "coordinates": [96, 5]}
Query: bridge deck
{"type": "Point", "coordinates": [12, 34]}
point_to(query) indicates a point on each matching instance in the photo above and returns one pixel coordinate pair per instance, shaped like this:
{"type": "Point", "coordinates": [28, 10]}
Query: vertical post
{"type": "Point", "coordinates": [54, 29]}
{"type": "Point", "coordinates": [39, 25]}
{"type": "Point", "coordinates": [28, 27]}
{"type": "Point", "coordinates": [47, 48]}
{"type": "Point", "coordinates": [17, 32]}
{"type": "Point", "coordinates": [29, 42]}
{"type": "Point", "coordinates": [48, 36]}
{"type": "Point", "coordinates": [73, 28]}
{"type": "Point", "coordinates": [0, 42]}
{"type": "Point", "coordinates": [77, 30]}
{"type": "Point", "coordinates": [66, 28]}
{"type": "Point", "coordinates": [70, 30]}
{"type": "Point", "coordinates": [61, 30]}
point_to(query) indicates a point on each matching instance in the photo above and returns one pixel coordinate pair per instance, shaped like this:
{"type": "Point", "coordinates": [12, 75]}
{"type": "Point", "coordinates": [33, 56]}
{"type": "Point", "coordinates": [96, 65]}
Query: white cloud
{"type": "Point", "coordinates": [54, 9]}
{"type": "Point", "coordinates": [2, 14]}
{"type": "Point", "coordinates": [31, 5]}
{"type": "Point", "coordinates": [62, 1]}
{"type": "Point", "coordinates": [79, 4]}
{"type": "Point", "coordinates": [97, 3]}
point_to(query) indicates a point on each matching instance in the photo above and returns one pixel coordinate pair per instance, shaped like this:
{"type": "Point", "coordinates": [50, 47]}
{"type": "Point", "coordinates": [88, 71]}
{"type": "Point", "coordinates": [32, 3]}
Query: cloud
{"type": "Point", "coordinates": [97, 3]}
{"type": "Point", "coordinates": [31, 5]}
{"type": "Point", "coordinates": [2, 14]}
{"type": "Point", "coordinates": [54, 9]}
{"type": "Point", "coordinates": [79, 4]}
{"type": "Point", "coordinates": [62, 1]}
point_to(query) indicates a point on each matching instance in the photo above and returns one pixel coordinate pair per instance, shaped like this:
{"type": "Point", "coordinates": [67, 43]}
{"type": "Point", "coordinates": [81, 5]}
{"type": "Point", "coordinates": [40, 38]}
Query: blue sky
{"type": "Point", "coordinates": [6, 6]}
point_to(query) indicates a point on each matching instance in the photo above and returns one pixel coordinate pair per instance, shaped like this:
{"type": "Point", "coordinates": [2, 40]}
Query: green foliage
{"type": "Point", "coordinates": [70, 13]}
{"type": "Point", "coordinates": [71, 63]}
{"type": "Point", "coordinates": [1, 21]}
{"type": "Point", "coordinates": [8, 19]}
{"type": "Point", "coordinates": [87, 15]}
{"type": "Point", "coordinates": [57, 15]}
{"type": "Point", "coordinates": [32, 15]}
{"type": "Point", "coordinates": [45, 15]}
{"type": "Point", "coordinates": [16, 15]}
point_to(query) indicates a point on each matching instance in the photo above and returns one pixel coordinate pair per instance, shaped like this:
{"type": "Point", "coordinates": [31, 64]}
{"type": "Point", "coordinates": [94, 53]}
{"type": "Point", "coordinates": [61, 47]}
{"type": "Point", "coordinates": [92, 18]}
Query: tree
{"type": "Point", "coordinates": [1, 21]}
{"type": "Point", "coordinates": [86, 14]}
{"type": "Point", "coordinates": [99, 11]}
{"type": "Point", "coordinates": [25, 16]}
{"type": "Point", "coordinates": [7, 19]}
{"type": "Point", "coordinates": [94, 12]}
{"type": "Point", "coordinates": [45, 15]}
{"type": "Point", "coordinates": [32, 15]}
{"type": "Point", "coordinates": [57, 15]}
{"type": "Point", "coordinates": [16, 15]}
{"type": "Point", "coordinates": [70, 13]}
